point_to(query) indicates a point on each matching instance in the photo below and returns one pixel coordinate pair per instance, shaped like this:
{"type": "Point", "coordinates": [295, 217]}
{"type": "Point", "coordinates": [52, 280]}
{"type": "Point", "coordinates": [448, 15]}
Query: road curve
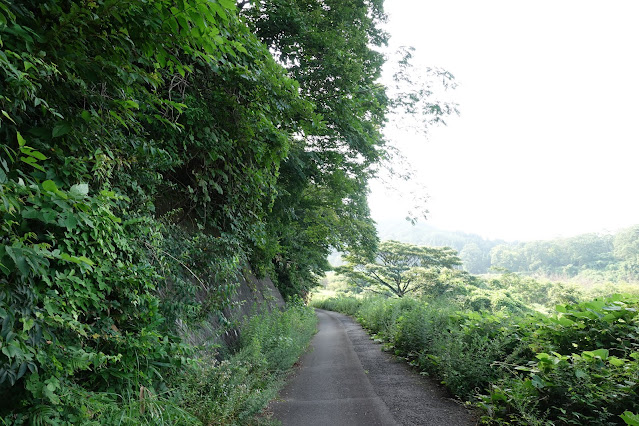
{"type": "Point", "coordinates": [345, 379]}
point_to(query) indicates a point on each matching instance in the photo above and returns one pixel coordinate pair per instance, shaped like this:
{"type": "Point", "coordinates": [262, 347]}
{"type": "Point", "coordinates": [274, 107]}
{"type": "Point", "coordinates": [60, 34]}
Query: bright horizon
{"type": "Point", "coordinates": [547, 142]}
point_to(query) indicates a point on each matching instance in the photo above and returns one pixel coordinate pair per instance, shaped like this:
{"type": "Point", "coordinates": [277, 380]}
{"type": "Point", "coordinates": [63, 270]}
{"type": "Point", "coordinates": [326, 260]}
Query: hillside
{"type": "Point", "coordinates": [585, 258]}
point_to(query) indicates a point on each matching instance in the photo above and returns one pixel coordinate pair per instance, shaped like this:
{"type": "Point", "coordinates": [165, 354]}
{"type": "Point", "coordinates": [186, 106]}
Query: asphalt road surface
{"type": "Point", "coordinates": [345, 379]}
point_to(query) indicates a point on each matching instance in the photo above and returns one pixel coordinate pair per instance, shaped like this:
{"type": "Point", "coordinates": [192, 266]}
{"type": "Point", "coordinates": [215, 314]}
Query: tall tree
{"type": "Point", "coordinates": [399, 268]}
{"type": "Point", "coordinates": [329, 48]}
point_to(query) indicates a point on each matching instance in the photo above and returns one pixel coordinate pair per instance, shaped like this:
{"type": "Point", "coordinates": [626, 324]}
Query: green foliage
{"type": "Point", "coordinates": [233, 391]}
{"type": "Point", "coordinates": [152, 150]}
{"type": "Point", "coordinates": [400, 268]}
{"type": "Point", "coordinates": [110, 125]}
{"type": "Point", "coordinates": [332, 49]}
{"type": "Point", "coordinates": [585, 258]}
{"type": "Point", "coordinates": [347, 305]}
{"type": "Point", "coordinates": [77, 300]}
{"type": "Point", "coordinates": [577, 366]}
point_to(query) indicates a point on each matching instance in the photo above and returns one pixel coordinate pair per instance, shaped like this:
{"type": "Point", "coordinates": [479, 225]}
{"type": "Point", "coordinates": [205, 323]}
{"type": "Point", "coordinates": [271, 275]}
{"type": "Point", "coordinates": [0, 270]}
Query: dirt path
{"type": "Point", "coordinates": [345, 379]}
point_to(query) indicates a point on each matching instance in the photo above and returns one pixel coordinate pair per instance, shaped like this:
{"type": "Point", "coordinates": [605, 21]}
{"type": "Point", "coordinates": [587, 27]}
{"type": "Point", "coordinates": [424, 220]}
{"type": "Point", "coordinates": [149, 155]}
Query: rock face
{"type": "Point", "coordinates": [254, 292]}
{"type": "Point", "coordinates": [222, 330]}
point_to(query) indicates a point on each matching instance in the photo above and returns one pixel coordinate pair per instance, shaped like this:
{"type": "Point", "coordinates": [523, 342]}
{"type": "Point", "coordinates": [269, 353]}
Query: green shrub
{"type": "Point", "coordinates": [578, 366]}
{"type": "Point", "coordinates": [234, 390]}
{"type": "Point", "coordinates": [584, 366]}
{"type": "Point", "coordinates": [346, 305]}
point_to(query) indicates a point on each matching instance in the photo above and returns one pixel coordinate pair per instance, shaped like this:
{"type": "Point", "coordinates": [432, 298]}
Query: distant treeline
{"type": "Point", "coordinates": [588, 257]}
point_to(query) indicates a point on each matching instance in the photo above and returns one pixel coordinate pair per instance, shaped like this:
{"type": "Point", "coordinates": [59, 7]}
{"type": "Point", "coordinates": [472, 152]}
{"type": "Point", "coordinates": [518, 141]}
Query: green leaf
{"type": "Point", "coordinates": [12, 351]}
{"type": "Point", "coordinates": [30, 213]}
{"type": "Point", "coordinates": [617, 362]}
{"type": "Point", "coordinates": [22, 370]}
{"type": "Point", "coordinates": [69, 222]}
{"type": "Point", "coordinates": [227, 4]}
{"type": "Point", "coordinates": [630, 418]}
{"type": "Point", "coordinates": [602, 353]}
{"type": "Point", "coordinates": [61, 129]}
{"type": "Point", "coordinates": [49, 185]}
{"type": "Point", "coordinates": [32, 162]}
{"type": "Point", "coordinates": [86, 260]}
{"type": "Point", "coordinates": [49, 389]}
{"type": "Point", "coordinates": [117, 117]}
{"type": "Point", "coordinates": [537, 382]}
{"type": "Point", "coordinates": [21, 141]}
{"type": "Point", "coordinates": [32, 153]}
{"type": "Point", "coordinates": [79, 191]}
{"type": "Point", "coordinates": [9, 118]}
{"type": "Point", "coordinates": [27, 324]}
{"type": "Point", "coordinates": [17, 255]}
{"type": "Point", "coordinates": [49, 215]}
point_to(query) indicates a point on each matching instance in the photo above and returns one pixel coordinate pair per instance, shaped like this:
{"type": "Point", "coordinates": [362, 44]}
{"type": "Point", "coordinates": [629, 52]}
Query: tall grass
{"type": "Point", "coordinates": [578, 365]}
{"type": "Point", "coordinates": [233, 391]}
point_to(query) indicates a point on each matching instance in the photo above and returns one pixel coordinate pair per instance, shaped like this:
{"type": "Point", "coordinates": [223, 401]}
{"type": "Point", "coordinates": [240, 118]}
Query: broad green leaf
{"type": "Point", "coordinates": [69, 222]}
{"type": "Point", "coordinates": [617, 362]}
{"type": "Point", "coordinates": [79, 191]}
{"type": "Point", "coordinates": [48, 391]}
{"type": "Point", "coordinates": [537, 381]}
{"type": "Point", "coordinates": [602, 353]}
{"type": "Point", "coordinates": [49, 185]}
{"type": "Point", "coordinates": [27, 324]}
{"type": "Point", "coordinates": [630, 418]}
{"type": "Point", "coordinates": [228, 4]}
{"type": "Point", "coordinates": [22, 370]}
{"type": "Point", "coordinates": [30, 213]}
{"type": "Point", "coordinates": [49, 215]}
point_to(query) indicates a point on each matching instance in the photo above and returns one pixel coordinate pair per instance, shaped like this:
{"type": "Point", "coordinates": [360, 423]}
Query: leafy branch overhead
{"type": "Point", "coordinates": [399, 268]}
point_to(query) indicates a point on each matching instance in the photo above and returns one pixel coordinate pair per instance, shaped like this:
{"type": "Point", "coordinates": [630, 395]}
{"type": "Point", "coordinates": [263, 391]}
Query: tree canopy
{"type": "Point", "coordinates": [399, 268]}
{"type": "Point", "coordinates": [153, 149]}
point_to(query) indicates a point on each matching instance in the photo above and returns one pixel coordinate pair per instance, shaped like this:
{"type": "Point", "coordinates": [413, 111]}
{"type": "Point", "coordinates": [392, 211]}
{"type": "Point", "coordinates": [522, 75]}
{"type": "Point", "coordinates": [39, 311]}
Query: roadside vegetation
{"type": "Point", "coordinates": [155, 153]}
{"type": "Point", "coordinates": [521, 350]}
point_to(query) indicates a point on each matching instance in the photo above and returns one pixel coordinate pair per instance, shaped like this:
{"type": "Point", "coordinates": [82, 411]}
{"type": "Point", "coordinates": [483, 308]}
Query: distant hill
{"type": "Point", "coordinates": [587, 257]}
{"type": "Point", "coordinates": [473, 249]}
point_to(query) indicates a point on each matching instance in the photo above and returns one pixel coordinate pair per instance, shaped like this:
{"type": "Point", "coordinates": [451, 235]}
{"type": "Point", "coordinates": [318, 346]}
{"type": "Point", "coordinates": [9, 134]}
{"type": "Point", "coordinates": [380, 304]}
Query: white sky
{"type": "Point", "coordinates": [547, 141]}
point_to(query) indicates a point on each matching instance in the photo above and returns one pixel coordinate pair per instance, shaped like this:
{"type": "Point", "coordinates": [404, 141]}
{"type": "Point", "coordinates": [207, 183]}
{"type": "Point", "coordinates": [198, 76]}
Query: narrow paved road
{"type": "Point", "coordinates": [345, 379]}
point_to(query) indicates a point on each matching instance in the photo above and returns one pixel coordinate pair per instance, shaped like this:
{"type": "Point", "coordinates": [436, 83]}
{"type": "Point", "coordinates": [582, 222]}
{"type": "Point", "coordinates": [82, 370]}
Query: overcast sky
{"type": "Point", "coordinates": [547, 143]}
